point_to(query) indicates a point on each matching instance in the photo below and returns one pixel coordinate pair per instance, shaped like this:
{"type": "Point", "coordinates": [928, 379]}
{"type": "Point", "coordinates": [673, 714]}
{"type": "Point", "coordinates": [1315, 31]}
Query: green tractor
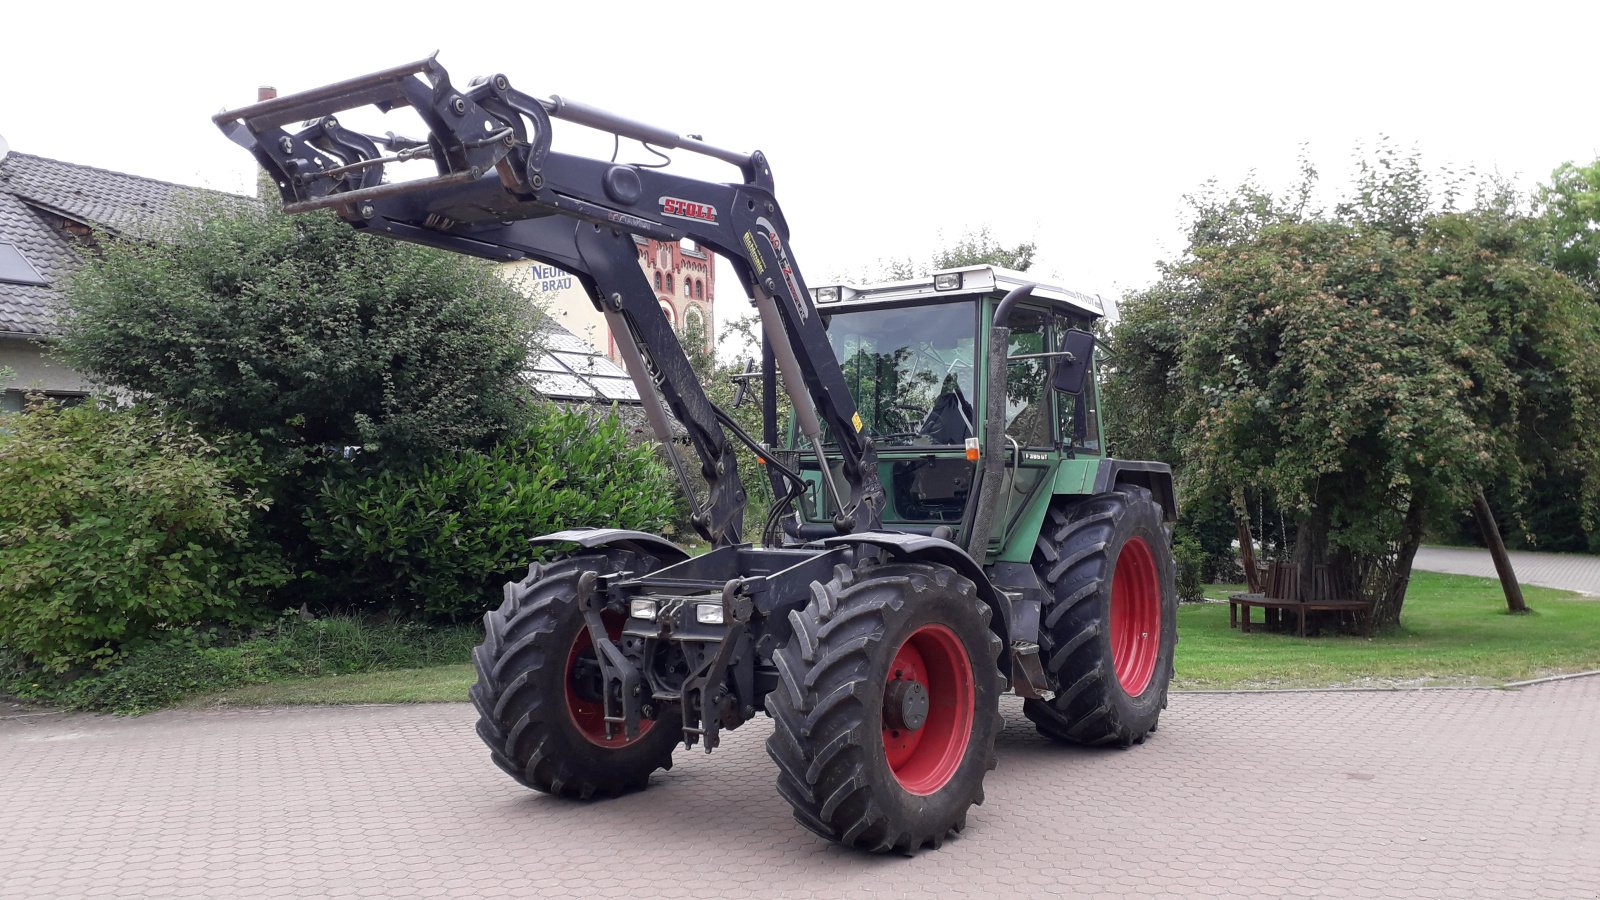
{"type": "Point", "coordinates": [946, 526]}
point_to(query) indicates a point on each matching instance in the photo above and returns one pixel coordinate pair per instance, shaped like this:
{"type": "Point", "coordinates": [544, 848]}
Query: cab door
{"type": "Point", "coordinates": [1030, 418]}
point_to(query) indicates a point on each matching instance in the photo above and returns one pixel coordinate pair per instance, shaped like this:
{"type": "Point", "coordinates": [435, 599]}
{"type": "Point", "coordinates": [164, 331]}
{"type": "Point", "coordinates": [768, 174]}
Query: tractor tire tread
{"type": "Point", "coordinates": [1089, 706]}
{"type": "Point", "coordinates": [515, 717]}
{"type": "Point", "coordinates": [821, 713]}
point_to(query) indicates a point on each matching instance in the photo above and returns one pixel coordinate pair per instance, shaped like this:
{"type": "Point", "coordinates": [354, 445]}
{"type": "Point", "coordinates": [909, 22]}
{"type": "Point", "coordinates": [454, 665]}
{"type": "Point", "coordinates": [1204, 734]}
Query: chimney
{"type": "Point", "coordinates": [266, 191]}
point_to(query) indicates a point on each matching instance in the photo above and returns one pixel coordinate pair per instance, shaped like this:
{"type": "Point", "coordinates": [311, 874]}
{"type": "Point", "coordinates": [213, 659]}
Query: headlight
{"type": "Point", "coordinates": [642, 609]}
{"type": "Point", "coordinates": [708, 613]}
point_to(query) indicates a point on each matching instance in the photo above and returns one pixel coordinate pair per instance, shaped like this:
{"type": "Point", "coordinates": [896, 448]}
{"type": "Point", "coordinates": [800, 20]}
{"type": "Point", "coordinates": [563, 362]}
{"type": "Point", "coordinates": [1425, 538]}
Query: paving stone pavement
{"type": "Point", "coordinates": [1446, 793]}
{"type": "Point", "coordinates": [1568, 571]}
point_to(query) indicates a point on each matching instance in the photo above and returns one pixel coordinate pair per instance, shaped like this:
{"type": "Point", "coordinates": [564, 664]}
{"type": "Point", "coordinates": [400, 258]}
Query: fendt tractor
{"type": "Point", "coordinates": [945, 525]}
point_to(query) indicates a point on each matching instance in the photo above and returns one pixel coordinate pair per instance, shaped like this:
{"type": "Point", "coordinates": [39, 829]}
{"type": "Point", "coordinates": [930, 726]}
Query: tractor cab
{"type": "Point", "coordinates": [916, 359]}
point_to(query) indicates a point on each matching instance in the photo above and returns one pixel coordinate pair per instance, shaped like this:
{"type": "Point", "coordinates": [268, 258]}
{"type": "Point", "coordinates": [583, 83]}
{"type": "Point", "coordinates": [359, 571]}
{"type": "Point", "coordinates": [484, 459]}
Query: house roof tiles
{"type": "Point", "coordinates": [34, 190]}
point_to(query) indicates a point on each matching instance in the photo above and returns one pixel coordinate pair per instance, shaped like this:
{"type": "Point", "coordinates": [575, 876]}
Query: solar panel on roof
{"type": "Point", "coordinates": [616, 388]}
{"type": "Point", "coordinates": [553, 385]}
{"type": "Point", "coordinates": [567, 343]}
{"type": "Point", "coordinates": [582, 363]}
{"type": "Point", "coordinates": [15, 268]}
{"type": "Point", "coordinates": [606, 368]}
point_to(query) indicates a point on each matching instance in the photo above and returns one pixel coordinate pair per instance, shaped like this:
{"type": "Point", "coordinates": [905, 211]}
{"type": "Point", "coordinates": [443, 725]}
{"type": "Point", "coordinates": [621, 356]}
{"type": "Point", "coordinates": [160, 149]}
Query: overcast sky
{"type": "Point", "coordinates": [891, 127]}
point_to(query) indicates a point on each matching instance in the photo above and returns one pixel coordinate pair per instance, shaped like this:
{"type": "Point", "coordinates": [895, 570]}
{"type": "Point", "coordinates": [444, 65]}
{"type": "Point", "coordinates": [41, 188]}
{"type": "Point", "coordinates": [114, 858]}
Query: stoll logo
{"type": "Point", "coordinates": [683, 209]}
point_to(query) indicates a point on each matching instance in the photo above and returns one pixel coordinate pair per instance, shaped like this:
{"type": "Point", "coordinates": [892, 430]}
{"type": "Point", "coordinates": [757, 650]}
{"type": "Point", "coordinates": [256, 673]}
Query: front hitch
{"type": "Point", "coordinates": [622, 706]}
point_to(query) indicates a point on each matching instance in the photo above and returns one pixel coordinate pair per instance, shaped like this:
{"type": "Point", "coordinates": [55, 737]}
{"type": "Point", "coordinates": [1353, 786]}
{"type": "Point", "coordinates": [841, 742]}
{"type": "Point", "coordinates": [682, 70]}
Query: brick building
{"type": "Point", "coordinates": [683, 275]}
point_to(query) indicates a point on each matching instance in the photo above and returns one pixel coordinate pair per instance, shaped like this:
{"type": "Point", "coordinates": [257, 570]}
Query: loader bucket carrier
{"type": "Point", "coordinates": [944, 525]}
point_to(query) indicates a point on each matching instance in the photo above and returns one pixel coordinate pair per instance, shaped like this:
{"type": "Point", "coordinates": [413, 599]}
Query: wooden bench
{"type": "Point", "coordinates": [1283, 584]}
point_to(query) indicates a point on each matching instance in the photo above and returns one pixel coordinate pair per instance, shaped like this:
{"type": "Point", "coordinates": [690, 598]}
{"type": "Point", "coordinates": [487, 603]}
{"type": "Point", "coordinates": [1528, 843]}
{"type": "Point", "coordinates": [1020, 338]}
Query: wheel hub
{"type": "Point", "coordinates": [905, 705]}
{"type": "Point", "coordinates": [928, 709]}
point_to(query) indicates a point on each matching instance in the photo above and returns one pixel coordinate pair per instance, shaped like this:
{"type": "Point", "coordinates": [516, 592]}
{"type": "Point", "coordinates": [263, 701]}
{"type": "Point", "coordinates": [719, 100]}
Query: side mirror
{"type": "Point", "coordinates": [1073, 366]}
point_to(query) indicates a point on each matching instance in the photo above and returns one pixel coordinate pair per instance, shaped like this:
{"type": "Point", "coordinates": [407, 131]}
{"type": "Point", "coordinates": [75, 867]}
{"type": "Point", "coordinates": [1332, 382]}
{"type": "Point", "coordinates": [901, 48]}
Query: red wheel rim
{"type": "Point", "coordinates": [589, 715]}
{"type": "Point", "coordinates": [924, 760]}
{"type": "Point", "coordinates": [1135, 616]}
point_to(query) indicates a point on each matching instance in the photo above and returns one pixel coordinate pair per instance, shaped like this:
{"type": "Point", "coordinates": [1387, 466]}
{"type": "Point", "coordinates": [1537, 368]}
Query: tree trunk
{"type": "Point", "coordinates": [1387, 605]}
{"type": "Point", "coordinates": [1247, 545]}
{"type": "Point", "coordinates": [1310, 548]}
{"type": "Point", "coordinates": [1497, 549]}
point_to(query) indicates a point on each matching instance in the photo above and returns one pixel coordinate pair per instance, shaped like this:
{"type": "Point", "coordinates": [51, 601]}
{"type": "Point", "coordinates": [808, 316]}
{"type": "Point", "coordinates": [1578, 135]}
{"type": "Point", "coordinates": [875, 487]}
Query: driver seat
{"type": "Point", "coordinates": [948, 422]}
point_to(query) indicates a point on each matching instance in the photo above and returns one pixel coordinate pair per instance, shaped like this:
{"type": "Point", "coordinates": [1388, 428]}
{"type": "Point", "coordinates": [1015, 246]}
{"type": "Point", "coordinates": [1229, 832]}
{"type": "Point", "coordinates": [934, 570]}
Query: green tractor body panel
{"type": "Point", "coordinates": [916, 356]}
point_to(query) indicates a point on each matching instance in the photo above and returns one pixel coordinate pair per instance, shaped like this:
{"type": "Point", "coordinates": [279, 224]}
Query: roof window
{"type": "Point", "coordinates": [15, 268]}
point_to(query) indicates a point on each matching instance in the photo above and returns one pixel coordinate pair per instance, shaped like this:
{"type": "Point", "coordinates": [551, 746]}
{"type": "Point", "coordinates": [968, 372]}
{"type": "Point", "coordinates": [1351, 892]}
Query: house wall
{"type": "Point", "coordinates": [562, 297]}
{"type": "Point", "coordinates": [36, 370]}
{"type": "Point", "coordinates": [692, 274]}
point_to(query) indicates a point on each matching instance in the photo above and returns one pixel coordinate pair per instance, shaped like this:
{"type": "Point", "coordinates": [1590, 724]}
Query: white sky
{"type": "Point", "coordinates": [891, 127]}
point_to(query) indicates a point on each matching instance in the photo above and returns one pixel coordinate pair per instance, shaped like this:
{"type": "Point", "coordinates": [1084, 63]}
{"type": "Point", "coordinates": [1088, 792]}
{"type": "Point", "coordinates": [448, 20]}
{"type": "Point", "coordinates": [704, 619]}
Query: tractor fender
{"type": "Point", "coordinates": [923, 548]}
{"type": "Point", "coordinates": [1156, 477]}
{"type": "Point", "coordinates": [622, 538]}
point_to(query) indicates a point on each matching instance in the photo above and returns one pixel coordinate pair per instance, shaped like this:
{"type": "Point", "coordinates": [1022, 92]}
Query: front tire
{"type": "Point", "coordinates": [542, 725]}
{"type": "Point", "coordinates": [1111, 627]}
{"type": "Point", "coordinates": [887, 707]}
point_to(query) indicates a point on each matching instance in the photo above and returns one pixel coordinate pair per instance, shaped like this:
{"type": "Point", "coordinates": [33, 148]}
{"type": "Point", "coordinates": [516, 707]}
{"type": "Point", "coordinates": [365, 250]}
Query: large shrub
{"type": "Point", "coordinates": [117, 524]}
{"type": "Point", "coordinates": [306, 334]}
{"type": "Point", "coordinates": [439, 537]}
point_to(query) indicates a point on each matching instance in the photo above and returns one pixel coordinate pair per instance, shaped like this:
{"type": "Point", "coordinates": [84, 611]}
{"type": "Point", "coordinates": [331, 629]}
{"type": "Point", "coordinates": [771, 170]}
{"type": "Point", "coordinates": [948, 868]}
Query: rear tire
{"type": "Point", "coordinates": [539, 725]}
{"type": "Point", "coordinates": [1111, 626]}
{"type": "Point", "coordinates": [874, 650]}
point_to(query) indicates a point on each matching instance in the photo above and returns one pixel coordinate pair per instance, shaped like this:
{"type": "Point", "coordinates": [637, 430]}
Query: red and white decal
{"type": "Point", "coordinates": [684, 209]}
{"type": "Point", "coordinates": [797, 296]}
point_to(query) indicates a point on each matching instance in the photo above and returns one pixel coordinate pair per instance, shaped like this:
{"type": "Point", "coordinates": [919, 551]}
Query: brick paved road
{"type": "Point", "coordinates": [1568, 571]}
{"type": "Point", "coordinates": [1479, 793]}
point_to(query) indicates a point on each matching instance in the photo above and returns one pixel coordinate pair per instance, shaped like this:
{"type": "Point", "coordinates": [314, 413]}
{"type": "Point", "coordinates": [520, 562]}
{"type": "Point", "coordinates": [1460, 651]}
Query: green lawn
{"type": "Point", "coordinates": [438, 684]}
{"type": "Point", "coordinates": [1456, 632]}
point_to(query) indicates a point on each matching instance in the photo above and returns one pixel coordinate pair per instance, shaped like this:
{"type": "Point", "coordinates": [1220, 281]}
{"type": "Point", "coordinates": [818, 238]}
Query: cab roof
{"type": "Point", "coordinates": [964, 280]}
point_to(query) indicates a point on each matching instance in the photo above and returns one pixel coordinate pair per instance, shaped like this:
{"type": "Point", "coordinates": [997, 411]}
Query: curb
{"type": "Point", "coordinates": [1508, 686]}
{"type": "Point", "coordinates": [1358, 690]}
{"type": "Point", "coordinates": [1549, 678]}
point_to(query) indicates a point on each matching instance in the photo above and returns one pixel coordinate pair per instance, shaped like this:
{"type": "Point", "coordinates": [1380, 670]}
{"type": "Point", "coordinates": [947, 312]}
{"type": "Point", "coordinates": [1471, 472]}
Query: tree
{"type": "Point", "coordinates": [973, 248]}
{"type": "Point", "coordinates": [1524, 335]}
{"type": "Point", "coordinates": [305, 334]}
{"type": "Point", "coordinates": [1360, 367]}
{"type": "Point", "coordinates": [1570, 214]}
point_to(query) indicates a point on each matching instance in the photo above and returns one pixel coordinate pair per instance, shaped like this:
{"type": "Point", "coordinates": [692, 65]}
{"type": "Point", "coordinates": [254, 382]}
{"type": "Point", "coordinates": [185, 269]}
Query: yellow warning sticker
{"type": "Point", "coordinates": [755, 255]}
{"type": "Point", "coordinates": [857, 420]}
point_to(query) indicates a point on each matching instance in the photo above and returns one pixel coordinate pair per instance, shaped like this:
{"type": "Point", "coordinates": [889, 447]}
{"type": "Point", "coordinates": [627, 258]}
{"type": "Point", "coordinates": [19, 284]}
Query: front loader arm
{"type": "Point", "coordinates": [499, 191]}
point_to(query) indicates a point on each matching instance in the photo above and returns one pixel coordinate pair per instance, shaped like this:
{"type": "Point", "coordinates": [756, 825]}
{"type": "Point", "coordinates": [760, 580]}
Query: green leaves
{"type": "Point", "coordinates": [1352, 364]}
{"type": "Point", "coordinates": [306, 334]}
{"type": "Point", "coordinates": [440, 537]}
{"type": "Point", "coordinates": [116, 524]}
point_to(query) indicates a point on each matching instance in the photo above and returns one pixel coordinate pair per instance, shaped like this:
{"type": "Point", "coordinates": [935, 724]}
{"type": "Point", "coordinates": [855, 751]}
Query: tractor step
{"type": "Point", "coordinates": [1027, 672]}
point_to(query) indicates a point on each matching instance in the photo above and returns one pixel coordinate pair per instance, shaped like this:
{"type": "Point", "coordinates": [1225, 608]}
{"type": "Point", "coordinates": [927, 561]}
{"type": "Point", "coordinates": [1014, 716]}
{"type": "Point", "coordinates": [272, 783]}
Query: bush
{"type": "Point", "coordinates": [1191, 560]}
{"type": "Point", "coordinates": [164, 672]}
{"type": "Point", "coordinates": [440, 538]}
{"type": "Point", "coordinates": [305, 334]}
{"type": "Point", "coordinates": [117, 524]}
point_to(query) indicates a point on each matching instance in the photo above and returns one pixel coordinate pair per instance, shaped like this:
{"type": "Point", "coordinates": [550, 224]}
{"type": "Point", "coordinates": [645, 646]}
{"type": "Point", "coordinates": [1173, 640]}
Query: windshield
{"type": "Point", "coordinates": [910, 370]}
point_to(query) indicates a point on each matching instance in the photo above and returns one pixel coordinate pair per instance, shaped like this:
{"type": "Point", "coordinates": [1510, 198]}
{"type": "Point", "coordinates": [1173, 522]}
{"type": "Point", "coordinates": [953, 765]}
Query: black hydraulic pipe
{"type": "Point", "coordinates": [594, 117]}
{"type": "Point", "coordinates": [769, 408]}
{"type": "Point", "coordinates": [994, 425]}
{"type": "Point", "coordinates": [769, 393]}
